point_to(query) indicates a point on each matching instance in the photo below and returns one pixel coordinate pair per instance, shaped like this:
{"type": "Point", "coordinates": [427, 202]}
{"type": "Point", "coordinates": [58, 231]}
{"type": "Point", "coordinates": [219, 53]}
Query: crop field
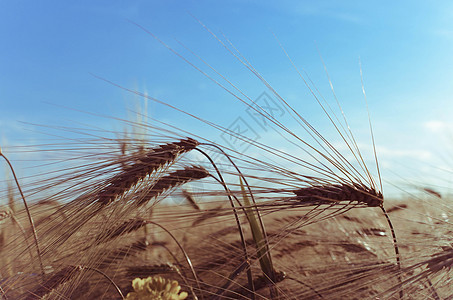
{"type": "Point", "coordinates": [287, 204]}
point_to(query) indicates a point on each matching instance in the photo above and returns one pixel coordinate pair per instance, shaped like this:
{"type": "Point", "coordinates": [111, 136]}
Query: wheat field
{"type": "Point", "coordinates": [207, 221]}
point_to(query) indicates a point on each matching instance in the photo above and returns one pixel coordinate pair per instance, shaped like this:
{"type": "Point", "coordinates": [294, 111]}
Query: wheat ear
{"type": "Point", "coordinates": [143, 166]}
{"type": "Point", "coordinates": [328, 194]}
{"type": "Point", "coordinates": [172, 180]}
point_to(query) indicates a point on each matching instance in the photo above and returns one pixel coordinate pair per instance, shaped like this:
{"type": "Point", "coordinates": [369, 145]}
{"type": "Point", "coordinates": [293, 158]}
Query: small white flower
{"type": "Point", "coordinates": [156, 288]}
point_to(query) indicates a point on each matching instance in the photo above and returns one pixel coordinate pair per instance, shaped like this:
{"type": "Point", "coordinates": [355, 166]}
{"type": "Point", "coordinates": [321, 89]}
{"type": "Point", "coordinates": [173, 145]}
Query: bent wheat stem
{"type": "Point", "coordinates": [238, 222]}
{"type": "Point", "coordinates": [257, 211]}
{"type": "Point", "coordinates": [186, 256]}
{"type": "Point", "coordinates": [30, 219]}
{"type": "Point", "coordinates": [107, 277]}
{"type": "Point", "coordinates": [397, 251]}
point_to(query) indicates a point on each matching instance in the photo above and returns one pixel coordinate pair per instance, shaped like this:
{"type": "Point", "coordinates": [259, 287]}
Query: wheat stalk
{"type": "Point", "coordinates": [30, 218]}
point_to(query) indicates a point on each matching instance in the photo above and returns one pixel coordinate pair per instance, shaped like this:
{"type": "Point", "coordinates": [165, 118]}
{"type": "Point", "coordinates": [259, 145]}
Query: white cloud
{"type": "Point", "coordinates": [444, 33]}
{"type": "Point", "coordinates": [418, 154]}
{"type": "Point", "coordinates": [436, 126]}
{"type": "Point", "coordinates": [327, 11]}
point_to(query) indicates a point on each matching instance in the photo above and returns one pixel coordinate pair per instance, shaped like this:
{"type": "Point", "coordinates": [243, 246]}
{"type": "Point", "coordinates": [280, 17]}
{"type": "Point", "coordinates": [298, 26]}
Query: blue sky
{"type": "Point", "coordinates": [50, 49]}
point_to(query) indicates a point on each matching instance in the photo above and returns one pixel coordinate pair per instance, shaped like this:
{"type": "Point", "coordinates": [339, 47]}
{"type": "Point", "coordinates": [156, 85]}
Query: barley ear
{"type": "Point", "coordinates": [173, 180]}
{"type": "Point", "coordinates": [143, 166]}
